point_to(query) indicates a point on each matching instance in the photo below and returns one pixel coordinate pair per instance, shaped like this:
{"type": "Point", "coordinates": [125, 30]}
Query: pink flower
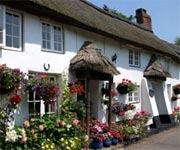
{"type": "Point", "coordinates": [122, 114]}
{"type": "Point", "coordinates": [26, 124]}
{"type": "Point", "coordinates": [36, 136]}
{"type": "Point", "coordinates": [41, 127]}
{"type": "Point", "coordinates": [86, 138]}
{"type": "Point", "coordinates": [23, 139]}
{"type": "Point", "coordinates": [63, 123]}
{"type": "Point", "coordinates": [75, 122]}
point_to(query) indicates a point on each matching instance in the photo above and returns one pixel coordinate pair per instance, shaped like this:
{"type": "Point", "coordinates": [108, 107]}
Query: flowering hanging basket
{"type": "Point", "coordinates": [4, 90]}
{"type": "Point", "coordinates": [122, 89]}
{"type": "Point", "coordinates": [176, 89]}
{"type": "Point", "coordinates": [44, 89]}
{"type": "Point", "coordinates": [125, 86]}
{"type": "Point", "coordinates": [10, 79]}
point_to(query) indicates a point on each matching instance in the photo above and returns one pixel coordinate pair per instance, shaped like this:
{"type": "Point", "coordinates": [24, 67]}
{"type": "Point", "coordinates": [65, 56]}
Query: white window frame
{"type": "Point", "coordinates": [134, 97]}
{"type": "Point", "coordinates": [51, 109]}
{"type": "Point", "coordinates": [52, 40]}
{"type": "Point", "coordinates": [134, 60]}
{"type": "Point", "coordinates": [5, 30]}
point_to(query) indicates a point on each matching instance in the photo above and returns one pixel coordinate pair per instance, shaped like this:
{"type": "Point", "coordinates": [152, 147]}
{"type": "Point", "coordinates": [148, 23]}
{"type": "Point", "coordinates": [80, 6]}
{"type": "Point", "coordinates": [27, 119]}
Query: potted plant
{"type": "Point", "coordinates": [96, 134]}
{"type": "Point", "coordinates": [115, 132]}
{"type": "Point", "coordinates": [44, 89]}
{"type": "Point", "coordinates": [10, 79]}
{"type": "Point", "coordinates": [125, 86]}
{"type": "Point", "coordinates": [176, 89]}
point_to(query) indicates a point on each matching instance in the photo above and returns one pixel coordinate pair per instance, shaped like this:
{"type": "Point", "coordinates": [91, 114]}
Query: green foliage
{"type": "Point", "coordinates": [177, 41]}
{"type": "Point", "coordinates": [119, 14]}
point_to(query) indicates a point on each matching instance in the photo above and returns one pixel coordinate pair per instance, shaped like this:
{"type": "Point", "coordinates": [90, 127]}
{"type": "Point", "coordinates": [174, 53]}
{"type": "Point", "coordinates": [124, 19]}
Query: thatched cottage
{"type": "Point", "coordinates": [87, 43]}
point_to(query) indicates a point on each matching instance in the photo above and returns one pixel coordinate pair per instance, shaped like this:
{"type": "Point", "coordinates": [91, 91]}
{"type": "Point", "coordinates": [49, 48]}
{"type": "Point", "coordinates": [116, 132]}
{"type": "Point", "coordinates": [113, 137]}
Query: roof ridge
{"type": "Point", "coordinates": [115, 16]}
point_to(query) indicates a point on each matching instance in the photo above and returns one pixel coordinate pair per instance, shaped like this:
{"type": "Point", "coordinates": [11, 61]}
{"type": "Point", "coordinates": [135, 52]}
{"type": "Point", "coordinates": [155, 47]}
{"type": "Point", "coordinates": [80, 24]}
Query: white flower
{"type": "Point", "coordinates": [129, 114]}
{"type": "Point", "coordinates": [68, 126]}
{"type": "Point", "coordinates": [22, 131]}
{"type": "Point", "coordinates": [98, 128]}
{"type": "Point", "coordinates": [135, 129]}
{"type": "Point", "coordinates": [11, 136]}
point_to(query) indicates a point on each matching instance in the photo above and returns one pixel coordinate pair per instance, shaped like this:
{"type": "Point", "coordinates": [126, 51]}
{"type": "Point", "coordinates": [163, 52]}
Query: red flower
{"type": "Point", "coordinates": [77, 88]}
{"type": "Point", "coordinates": [15, 99]}
{"type": "Point", "coordinates": [73, 89]}
{"type": "Point", "coordinates": [113, 93]}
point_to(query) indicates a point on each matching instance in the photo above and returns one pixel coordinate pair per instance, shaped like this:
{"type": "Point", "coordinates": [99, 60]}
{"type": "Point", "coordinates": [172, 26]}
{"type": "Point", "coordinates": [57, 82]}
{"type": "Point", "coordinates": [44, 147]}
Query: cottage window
{"type": "Point", "coordinates": [134, 58]}
{"type": "Point", "coordinates": [134, 97]}
{"type": "Point", "coordinates": [52, 38]}
{"type": "Point", "coordinates": [13, 30]}
{"type": "Point", "coordinates": [1, 24]}
{"type": "Point", "coordinates": [37, 107]}
{"type": "Point", "coordinates": [10, 29]}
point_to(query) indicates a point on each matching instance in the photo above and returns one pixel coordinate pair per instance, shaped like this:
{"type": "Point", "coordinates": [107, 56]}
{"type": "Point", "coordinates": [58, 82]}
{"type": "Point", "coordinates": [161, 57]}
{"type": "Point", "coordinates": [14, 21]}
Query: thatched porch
{"type": "Point", "coordinates": [90, 64]}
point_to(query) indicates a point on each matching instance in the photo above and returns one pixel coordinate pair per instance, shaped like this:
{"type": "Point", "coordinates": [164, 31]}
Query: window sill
{"type": "Point", "coordinates": [134, 66]}
{"type": "Point", "coordinates": [52, 51]}
{"type": "Point", "coordinates": [10, 48]}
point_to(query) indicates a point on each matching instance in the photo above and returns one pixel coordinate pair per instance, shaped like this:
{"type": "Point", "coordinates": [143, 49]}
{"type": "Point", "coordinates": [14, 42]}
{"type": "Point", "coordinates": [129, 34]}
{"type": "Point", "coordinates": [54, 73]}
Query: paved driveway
{"type": "Point", "coordinates": [165, 140]}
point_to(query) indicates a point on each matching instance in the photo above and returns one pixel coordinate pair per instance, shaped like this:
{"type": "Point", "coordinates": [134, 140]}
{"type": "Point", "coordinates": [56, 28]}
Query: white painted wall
{"type": "Point", "coordinates": [32, 58]}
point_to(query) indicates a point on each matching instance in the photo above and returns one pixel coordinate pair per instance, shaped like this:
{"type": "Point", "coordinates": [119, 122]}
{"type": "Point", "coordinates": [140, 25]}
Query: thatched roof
{"type": "Point", "coordinates": [89, 58]}
{"type": "Point", "coordinates": [83, 14]}
{"type": "Point", "coordinates": [175, 47]}
{"type": "Point", "coordinates": [155, 69]}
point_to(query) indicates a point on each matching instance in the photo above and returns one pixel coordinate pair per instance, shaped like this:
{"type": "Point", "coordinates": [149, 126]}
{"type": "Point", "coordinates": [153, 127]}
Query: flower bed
{"type": "Point", "coordinates": [124, 130]}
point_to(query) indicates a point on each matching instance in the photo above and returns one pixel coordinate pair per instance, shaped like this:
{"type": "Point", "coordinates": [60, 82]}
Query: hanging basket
{"type": "Point", "coordinates": [122, 89]}
{"type": "Point", "coordinates": [4, 90]}
{"type": "Point", "coordinates": [176, 91]}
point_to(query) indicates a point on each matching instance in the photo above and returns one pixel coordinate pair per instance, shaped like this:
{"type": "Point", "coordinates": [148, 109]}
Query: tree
{"type": "Point", "coordinates": [177, 41]}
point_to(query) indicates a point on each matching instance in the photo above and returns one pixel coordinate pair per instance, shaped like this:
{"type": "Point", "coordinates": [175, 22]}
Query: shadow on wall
{"type": "Point", "coordinates": [145, 97]}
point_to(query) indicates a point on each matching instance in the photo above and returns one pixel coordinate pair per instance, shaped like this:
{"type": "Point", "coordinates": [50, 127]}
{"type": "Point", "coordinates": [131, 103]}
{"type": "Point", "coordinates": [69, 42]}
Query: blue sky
{"type": "Point", "coordinates": [165, 14]}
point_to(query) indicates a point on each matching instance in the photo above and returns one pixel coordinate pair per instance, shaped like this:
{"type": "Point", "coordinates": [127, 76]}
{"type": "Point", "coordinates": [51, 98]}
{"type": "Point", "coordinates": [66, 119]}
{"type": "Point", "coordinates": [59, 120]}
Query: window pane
{"type": "Point", "coordinates": [16, 31]}
{"type": "Point", "coordinates": [46, 36]}
{"type": "Point", "coordinates": [8, 41]}
{"type": "Point", "coordinates": [8, 29]}
{"type": "Point", "coordinates": [48, 45]}
{"type": "Point", "coordinates": [136, 58]}
{"type": "Point", "coordinates": [130, 57]}
{"type": "Point", "coordinates": [16, 20]}
{"type": "Point", "coordinates": [8, 18]}
{"type": "Point", "coordinates": [16, 42]}
{"type": "Point", "coordinates": [1, 37]}
{"type": "Point", "coordinates": [57, 38]}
